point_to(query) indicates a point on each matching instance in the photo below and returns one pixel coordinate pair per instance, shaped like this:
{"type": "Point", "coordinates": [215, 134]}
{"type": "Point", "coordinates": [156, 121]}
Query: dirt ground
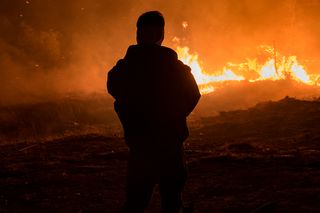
{"type": "Point", "coordinates": [263, 159]}
{"type": "Point", "coordinates": [87, 174]}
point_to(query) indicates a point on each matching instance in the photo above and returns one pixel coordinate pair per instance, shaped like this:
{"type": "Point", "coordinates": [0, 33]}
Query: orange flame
{"type": "Point", "coordinates": [276, 67]}
{"type": "Point", "coordinates": [202, 78]}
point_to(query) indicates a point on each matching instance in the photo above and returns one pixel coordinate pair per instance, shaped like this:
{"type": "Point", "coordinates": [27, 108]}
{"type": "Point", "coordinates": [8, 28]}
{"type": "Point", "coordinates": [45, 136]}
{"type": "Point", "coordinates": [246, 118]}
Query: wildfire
{"type": "Point", "coordinates": [275, 67]}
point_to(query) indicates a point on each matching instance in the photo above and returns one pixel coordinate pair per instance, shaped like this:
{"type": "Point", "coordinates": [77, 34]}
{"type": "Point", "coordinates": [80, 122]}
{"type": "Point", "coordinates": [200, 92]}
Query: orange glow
{"type": "Point", "coordinates": [275, 67]}
{"type": "Point", "coordinates": [184, 25]}
{"type": "Point", "coordinates": [202, 78]}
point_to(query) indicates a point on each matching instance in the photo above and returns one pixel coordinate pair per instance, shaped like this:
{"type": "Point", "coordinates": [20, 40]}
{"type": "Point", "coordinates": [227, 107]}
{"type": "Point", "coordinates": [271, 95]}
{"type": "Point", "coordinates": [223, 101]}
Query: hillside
{"type": "Point", "coordinates": [262, 159]}
{"type": "Point", "coordinates": [288, 125]}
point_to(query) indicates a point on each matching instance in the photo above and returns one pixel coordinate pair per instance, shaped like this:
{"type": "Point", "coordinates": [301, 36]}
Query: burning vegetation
{"type": "Point", "coordinates": [271, 65]}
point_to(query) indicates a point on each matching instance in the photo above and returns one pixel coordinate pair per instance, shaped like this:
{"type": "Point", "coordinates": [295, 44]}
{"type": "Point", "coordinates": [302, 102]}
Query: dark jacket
{"type": "Point", "coordinates": [154, 93]}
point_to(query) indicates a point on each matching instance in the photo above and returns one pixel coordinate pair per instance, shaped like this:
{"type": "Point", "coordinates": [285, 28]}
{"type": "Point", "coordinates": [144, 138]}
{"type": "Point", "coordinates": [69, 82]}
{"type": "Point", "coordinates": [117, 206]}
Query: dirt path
{"type": "Point", "coordinates": [87, 174]}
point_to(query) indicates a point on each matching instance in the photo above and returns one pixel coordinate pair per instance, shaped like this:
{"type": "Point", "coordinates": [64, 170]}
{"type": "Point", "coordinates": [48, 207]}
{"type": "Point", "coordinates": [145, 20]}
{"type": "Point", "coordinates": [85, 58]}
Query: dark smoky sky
{"type": "Point", "coordinates": [65, 46]}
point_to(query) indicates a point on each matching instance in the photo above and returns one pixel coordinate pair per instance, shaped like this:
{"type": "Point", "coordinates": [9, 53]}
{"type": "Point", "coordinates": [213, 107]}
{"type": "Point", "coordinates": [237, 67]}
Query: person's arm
{"type": "Point", "coordinates": [189, 89]}
{"type": "Point", "coordinates": [116, 83]}
{"type": "Point", "coordinates": [193, 93]}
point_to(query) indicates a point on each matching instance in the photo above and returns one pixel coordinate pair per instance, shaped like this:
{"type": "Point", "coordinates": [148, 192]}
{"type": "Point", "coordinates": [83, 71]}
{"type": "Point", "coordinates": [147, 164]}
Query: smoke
{"type": "Point", "coordinates": [53, 48]}
{"type": "Point", "coordinates": [223, 31]}
{"type": "Point", "coordinates": [50, 48]}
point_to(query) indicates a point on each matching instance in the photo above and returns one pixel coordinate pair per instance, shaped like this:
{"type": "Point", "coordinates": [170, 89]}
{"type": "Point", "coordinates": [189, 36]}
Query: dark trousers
{"type": "Point", "coordinates": [146, 168]}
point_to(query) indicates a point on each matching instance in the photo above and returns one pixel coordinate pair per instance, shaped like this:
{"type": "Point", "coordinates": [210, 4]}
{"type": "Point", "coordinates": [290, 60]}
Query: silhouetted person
{"type": "Point", "coordinates": [154, 93]}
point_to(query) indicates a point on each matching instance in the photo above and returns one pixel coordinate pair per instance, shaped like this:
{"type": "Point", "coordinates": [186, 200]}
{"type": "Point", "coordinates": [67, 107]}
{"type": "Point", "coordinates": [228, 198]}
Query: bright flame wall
{"type": "Point", "coordinates": [276, 67]}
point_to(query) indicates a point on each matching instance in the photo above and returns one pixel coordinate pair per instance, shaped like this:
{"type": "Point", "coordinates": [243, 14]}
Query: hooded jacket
{"type": "Point", "coordinates": [154, 93]}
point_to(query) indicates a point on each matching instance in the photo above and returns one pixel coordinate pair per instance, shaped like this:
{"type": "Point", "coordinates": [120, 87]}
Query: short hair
{"type": "Point", "coordinates": [151, 18]}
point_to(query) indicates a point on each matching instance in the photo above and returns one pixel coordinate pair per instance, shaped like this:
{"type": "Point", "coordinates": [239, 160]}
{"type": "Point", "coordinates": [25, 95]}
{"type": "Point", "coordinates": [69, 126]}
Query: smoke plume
{"type": "Point", "coordinates": [53, 48]}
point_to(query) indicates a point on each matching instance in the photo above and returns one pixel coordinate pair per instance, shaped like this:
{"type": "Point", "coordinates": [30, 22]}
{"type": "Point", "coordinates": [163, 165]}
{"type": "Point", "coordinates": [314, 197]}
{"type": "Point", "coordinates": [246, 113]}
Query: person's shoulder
{"type": "Point", "coordinates": [168, 51]}
{"type": "Point", "coordinates": [163, 52]}
{"type": "Point", "coordinates": [132, 50]}
{"type": "Point", "coordinates": [133, 47]}
{"type": "Point", "coordinates": [152, 48]}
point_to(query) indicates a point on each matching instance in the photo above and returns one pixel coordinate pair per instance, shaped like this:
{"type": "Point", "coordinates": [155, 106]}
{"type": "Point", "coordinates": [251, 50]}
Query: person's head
{"type": "Point", "coordinates": [150, 28]}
